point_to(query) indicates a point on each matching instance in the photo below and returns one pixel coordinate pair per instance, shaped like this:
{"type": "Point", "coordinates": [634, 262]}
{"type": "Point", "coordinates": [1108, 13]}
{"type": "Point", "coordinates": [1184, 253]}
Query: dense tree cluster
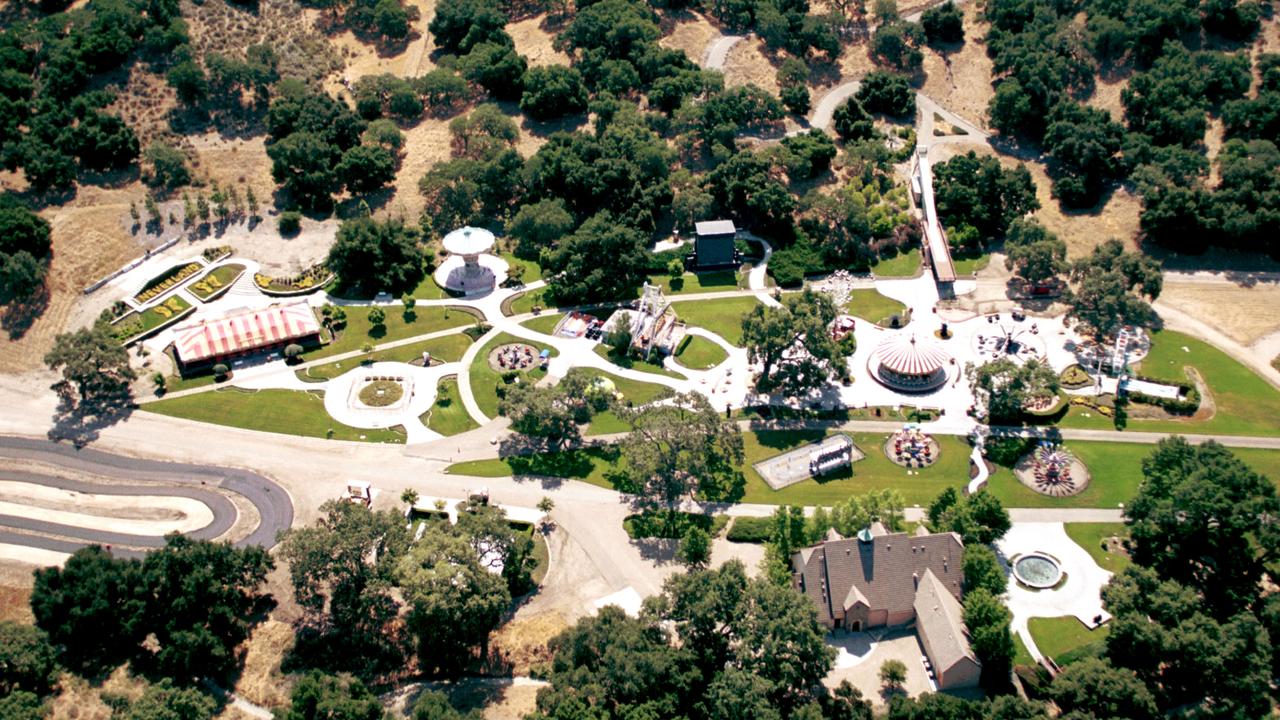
{"type": "Point", "coordinates": [376, 256]}
{"type": "Point", "coordinates": [978, 518]}
{"type": "Point", "coordinates": [714, 645]}
{"type": "Point", "coordinates": [317, 148]}
{"type": "Point", "coordinates": [679, 450]}
{"type": "Point", "coordinates": [553, 413]}
{"type": "Point", "coordinates": [180, 613]}
{"type": "Point", "coordinates": [25, 246]}
{"type": "Point", "coordinates": [95, 369]}
{"type": "Point", "coordinates": [357, 571]}
{"type": "Point", "coordinates": [888, 93]}
{"type": "Point", "coordinates": [792, 346]}
{"type": "Point", "coordinates": [218, 85]}
{"type": "Point", "coordinates": [943, 24]}
{"type": "Point", "coordinates": [1034, 253]}
{"type": "Point", "coordinates": [51, 126]}
{"type": "Point", "coordinates": [977, 198]}
{"type": "Point", "coordinates": [1112, 290]}
{"type": "Point", "coordinates": [1005, 389]}
{"type": "Point", "coordinates": [716, 120]}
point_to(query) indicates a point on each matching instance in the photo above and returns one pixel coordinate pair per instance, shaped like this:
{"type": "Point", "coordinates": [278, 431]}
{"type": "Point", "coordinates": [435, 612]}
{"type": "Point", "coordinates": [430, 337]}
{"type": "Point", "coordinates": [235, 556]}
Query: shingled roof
{"type": "Point", "coordinates": [884, 570]}
{"type": "Point", "coordinates": [940, 622]}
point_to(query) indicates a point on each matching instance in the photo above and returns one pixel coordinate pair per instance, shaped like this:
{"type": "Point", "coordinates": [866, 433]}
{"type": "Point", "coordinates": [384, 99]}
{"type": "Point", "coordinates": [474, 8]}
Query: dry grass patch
{"type": "Point", "coordinates": [523, 641]}
{"type": "Point", "coordinates": [855, 62]}
{"type": "Point", "coordinates": [1214, 139]}
{"type": "Point", "coordinates": [304, 52]}
{"type": "Point", "coordinates": [233, 161]}
{"type": "Point", "coordinates": [960, 80]}
{"type": "Point", "coordinates": [425, 145]}
{"type": "Point", "coordinates": [89, 241]}
{"type": "Point", "coordinates": [1106, 94]}
{"type": "Point", "coordinates": [747, 64]}
{"type": "Point", "coordinates": [144, 104]}
{"type": "Point", "coordinates": [535, 43]}
{"type": "Point", "coordinates": [262, 683]}
{"type": "Point", "coordinates": [692, 36]}
{"type": "Point", "coordinates": [1239, 312]}
{"type": "Point", "coordinates": [15, 592]}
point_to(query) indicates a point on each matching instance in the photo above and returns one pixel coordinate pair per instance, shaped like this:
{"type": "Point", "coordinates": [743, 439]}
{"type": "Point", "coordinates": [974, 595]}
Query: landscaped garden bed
{"type": "Point", "coordinates": [307, 281]}
{"type": "Point", "coordinates": [166, 281]}
{"type": "Point", "coordinates": [663, 524]}
{"type": "Point", "coordinates": [214, 254]}
{"type": "Point", "coordinates": [216, 282]}
{"type": "Point", "coordinates": [1074, 378]}
{"type": "Point", "coordinates": [138, 324]}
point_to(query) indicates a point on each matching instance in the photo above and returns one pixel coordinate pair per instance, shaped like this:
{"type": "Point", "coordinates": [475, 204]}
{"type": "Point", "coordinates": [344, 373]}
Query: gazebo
{"type": "Point", "coordinates": [470, 268]}
{"type": "Point", "coordinates": [909, 364]}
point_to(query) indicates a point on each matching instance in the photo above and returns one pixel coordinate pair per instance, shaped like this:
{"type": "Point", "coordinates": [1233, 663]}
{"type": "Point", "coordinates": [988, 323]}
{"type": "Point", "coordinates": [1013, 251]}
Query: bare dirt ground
{"type": "Point", "coordinates": [747, 64]}
{"type": "Point", "coordinates": [534, 42]}
{"type": "Point", "coordinates": [1233, 309]}
{"type": "Point", "coordinates": [960, 78]}
{"type": "Point", "coordinates": [693, 36]}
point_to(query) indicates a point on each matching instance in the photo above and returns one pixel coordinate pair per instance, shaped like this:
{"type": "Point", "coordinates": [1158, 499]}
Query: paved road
{"type": "Point", "coordinates": [718, 52]}
{"type": "Point", "coordinates": [272, 501]}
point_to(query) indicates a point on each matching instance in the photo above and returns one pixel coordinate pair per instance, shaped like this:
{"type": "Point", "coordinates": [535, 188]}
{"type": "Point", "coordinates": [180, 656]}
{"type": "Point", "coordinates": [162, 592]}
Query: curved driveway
{"type": "Point", "coordinates": [275, 509]}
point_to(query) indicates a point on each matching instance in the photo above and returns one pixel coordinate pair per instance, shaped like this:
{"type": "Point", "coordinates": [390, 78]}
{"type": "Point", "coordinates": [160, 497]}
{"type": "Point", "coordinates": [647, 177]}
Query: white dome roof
{"type": "Point", "coordinates": [468, 241]}
{"type": "Point", "coordinates": [905, 354]}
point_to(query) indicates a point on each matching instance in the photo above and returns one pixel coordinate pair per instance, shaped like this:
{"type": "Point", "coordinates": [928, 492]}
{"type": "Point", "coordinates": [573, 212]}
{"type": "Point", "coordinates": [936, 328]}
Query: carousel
{"type": "Point", "coordinates": [911, 448]}
{"type": "Point", "coordinates": [470, 269]}
{"type": "Point", "coordinates": [909, 364]}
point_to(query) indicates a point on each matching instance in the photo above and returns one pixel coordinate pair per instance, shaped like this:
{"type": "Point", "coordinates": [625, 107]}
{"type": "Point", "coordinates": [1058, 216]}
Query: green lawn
{"type": "Point", "coordinates": [634, 363]}
{"type": "Point", "coordinates": [485, 380]}
{"type": "Point", "coordinates": [1065, 639]}
{"type": "Point", "coordinates": [870, 305]}
{"type": "Point", "coordinates": [905, 264]}
{"type": "Point", "coordinates": [448, 416]}
{"type": "Point", "coordinates": [532, 270]}
{"type": "Point", "coordinates": [1090, 536]}
{"type": "Point", "coordinates": [872, 473]}
{"type": "Point", "coordinates": [1116, 470]}
{"type": "Point", "coordinates": [970, 264]}
{"type": "Point", "coordinates": [445, 349]}
{"type": "Point", "coordinates": [429, 290]}
{"type": "Point", "coordinates": [1246, 404]}
{"type": "Point", "coordinates": [1021, 656]}
{"type": "Point", "coordinates": [699, 353]}
{"type": "Point", "coordinates": [216, 281]}
{"type": "Point", "coordinates": [174, 383]}
{"type": "Point", "coordinates": [722, 317]}
{"type": "Point", "coordinates": [689, 283]}
{"type": "Point", "coordinates": [527, 301]}
{"type": "Point", "coordinates": [360, 331]}
{"type": "Point", "coordinates": [633, 392]}
{"type": "Point", "coordinates": [291, 412]}
{"type": "Point", "coordinates": [544, 323]}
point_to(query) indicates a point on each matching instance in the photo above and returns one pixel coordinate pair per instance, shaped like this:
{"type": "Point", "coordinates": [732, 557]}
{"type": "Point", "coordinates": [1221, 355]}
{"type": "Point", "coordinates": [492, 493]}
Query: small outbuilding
{"type": "Point", "coordinates": [714, 244]}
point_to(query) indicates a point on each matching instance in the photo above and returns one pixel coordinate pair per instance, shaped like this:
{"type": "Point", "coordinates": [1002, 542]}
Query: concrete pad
{"type": "Point", "coordinates": [627, 599]}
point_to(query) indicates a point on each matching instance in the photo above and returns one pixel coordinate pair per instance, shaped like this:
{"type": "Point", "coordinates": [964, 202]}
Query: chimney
{"type": "Point", "coordinates": [915, 580]}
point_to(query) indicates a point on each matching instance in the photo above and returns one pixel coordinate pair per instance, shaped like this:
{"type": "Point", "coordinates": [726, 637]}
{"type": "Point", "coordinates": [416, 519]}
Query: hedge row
{"type": "Point", "coordinates": [750, 530]}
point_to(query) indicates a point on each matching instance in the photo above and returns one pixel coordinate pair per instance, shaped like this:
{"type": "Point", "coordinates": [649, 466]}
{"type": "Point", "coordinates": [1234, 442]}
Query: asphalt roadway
{"type": "Point", "coordinates": [275, 509]}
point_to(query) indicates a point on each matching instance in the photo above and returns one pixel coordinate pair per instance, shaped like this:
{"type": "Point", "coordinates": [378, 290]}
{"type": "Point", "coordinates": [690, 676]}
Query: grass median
{"type": "Point", "coordinates": [289, 412]}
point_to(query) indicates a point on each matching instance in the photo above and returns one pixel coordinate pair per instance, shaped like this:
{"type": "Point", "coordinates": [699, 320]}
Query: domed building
{"type": "Point", "coordinates": [909, 364]}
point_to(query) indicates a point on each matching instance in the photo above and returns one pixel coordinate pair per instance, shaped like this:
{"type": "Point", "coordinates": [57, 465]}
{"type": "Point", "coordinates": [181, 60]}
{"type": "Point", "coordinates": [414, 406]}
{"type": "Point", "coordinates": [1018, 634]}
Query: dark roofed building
{"type": "Point", "coordinates": [882, 579]}
{"type": "Point", "coordinates": [714, 244]}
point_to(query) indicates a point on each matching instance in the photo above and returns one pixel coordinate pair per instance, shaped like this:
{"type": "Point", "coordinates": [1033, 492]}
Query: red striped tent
{"type": "Point", "coordinates": [245, 331]}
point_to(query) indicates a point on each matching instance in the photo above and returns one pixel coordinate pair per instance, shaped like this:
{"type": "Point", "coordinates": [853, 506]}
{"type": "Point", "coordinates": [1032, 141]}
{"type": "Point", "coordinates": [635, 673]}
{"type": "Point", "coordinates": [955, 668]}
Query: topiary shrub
{"type": "Point", "coordinates": [290, 222]}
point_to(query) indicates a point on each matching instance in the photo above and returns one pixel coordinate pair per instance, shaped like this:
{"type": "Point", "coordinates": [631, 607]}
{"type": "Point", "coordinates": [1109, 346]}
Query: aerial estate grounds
{"type": "Point", "coordinates": [454, 337]}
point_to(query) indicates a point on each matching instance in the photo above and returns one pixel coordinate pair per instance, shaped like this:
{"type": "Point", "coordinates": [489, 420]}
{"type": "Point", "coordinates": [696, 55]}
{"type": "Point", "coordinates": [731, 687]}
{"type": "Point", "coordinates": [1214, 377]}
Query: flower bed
{"type": "Point", "coordinates": [307, 281]}
{"type": "Point", "coordinates": [1103, 410]}
{"type": "Point", "coordinates": [165, 281]}
{"type": "Point", "coordinates": [217, 281]}
{"type": "Point", "coordinates": [1075, 377]}
{"type": "Point", "coordinates": [137, 325]}
{"type": "Point", "coordinates": [214, 254]}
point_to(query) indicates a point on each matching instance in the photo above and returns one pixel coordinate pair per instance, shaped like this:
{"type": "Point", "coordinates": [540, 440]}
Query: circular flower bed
{"type": "Point", "coordinates": [381, 393]}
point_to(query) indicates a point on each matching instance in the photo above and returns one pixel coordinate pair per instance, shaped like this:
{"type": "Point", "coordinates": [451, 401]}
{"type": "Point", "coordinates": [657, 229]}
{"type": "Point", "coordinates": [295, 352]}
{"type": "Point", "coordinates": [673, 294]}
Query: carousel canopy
{"type": "Point", "coordinates": [908, 355]}
{"type": "Point", "coordinates": [468, 241]}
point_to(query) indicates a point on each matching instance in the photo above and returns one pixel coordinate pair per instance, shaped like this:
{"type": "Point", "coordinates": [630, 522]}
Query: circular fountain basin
{"type": "Point", "coordinates": [1037, 570]}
